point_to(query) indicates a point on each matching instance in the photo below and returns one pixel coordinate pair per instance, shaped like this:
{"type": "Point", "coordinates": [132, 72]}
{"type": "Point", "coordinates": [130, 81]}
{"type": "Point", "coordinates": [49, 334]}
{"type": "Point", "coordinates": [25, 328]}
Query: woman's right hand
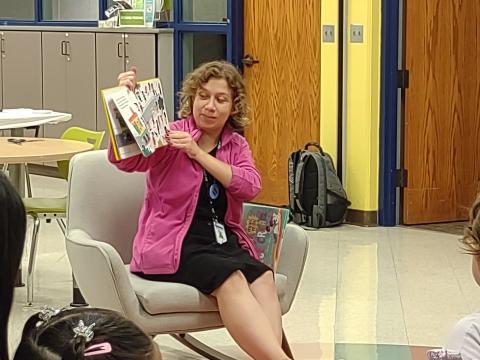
{"type": "Point", "coordinates": [128, 78]}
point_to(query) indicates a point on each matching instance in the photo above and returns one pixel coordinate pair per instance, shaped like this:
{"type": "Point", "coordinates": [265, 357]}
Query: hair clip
{"type": "Point", "coordinates": [47, 313]}
{"type": "Point", "coordinates": [84, 331]}
{"type": "Point", "coordinates": [98, 349]}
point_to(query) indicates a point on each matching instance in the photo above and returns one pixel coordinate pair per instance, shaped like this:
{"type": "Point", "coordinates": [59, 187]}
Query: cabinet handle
{"type": "Point", "coordinates": [67, 48]}
{"type": "Point", "coordinates": [2, 46]}
{"type": "Point", "coordinates": [126, 51]}
{"type": "Point", "coordinates": [62, 48]}
{"type": "Point", "coordinates": [119, 53]}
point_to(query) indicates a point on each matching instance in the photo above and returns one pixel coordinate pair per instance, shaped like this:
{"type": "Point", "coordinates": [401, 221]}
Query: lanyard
{"type": "Point", "coordinates": [213, 190]}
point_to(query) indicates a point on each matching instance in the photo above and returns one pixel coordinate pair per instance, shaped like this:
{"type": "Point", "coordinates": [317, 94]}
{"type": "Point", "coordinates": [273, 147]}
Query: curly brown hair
{"type": "Point", "coordinates": [471, 237]}
{"type": "Point", "coordinates": [216, 70]}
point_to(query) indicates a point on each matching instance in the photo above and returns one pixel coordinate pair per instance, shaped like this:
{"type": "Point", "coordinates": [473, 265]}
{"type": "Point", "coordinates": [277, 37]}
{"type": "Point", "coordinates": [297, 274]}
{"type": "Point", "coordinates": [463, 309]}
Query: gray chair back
{"type": "Point", "coordinates": [96, 179]}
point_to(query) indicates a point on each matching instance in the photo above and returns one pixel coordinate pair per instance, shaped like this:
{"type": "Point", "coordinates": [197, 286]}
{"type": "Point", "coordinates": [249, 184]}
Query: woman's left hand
{"type": "Point", "coordinates": [183, 141]}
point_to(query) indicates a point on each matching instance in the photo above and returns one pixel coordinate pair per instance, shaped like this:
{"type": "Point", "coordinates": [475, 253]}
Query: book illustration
{"type": "Point", "coordinates": [138, 115]}
{"type": "Point", "coordinates": [266, 225]}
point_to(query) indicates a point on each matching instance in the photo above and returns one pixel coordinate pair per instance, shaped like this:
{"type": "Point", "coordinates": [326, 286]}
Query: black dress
{"type": "Point", "coordinates": [205, 264]}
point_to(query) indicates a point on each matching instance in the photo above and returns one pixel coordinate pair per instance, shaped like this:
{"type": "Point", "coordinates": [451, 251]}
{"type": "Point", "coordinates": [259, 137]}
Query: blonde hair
{"type": "Point", "coordinates": [216, 70]}
{"type": "Point", "coordinates": [471, 237]}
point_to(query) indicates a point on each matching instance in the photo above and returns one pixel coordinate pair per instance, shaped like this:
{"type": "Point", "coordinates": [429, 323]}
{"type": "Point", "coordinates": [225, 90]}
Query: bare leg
{"type": "Point", "coordinates": [264, 290]}
{"type": "Point", "coordinates": [245, 320]}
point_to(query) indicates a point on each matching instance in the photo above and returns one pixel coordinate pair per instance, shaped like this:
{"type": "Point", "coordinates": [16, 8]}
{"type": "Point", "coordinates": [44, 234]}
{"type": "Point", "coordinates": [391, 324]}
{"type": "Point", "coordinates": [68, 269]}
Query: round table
{"type": "Point", "coordinates": [17, 120]}
{"type": "Point", "coordinates": [39, 149]}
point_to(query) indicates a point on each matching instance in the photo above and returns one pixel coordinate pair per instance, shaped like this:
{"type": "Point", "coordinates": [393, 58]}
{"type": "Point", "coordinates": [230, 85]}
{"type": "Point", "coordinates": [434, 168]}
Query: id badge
{"type": "Point", "coordinates": [220, 234]}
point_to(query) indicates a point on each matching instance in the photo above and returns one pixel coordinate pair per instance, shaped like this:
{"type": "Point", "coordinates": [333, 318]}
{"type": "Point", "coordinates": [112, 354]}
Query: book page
{"type": "Point", "coordinates": [123, 143]}
{"type": "Point", "coordinates": [154, 114]}
{"type": "Point", "coordinates": [141, 111]}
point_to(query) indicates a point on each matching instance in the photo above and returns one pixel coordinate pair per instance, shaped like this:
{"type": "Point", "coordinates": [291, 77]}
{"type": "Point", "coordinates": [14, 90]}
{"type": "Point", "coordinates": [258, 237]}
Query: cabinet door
{"type": "Point", "coordinates": [80, 85]}
{"type": "Point", "coordinates": [22, 69]}
{"type": "Point", "coordinates": [54, 75]}
{"type": "Point", "coordinates": [110, 62]}
{"type": "Point", "coordinates": [140, 51]}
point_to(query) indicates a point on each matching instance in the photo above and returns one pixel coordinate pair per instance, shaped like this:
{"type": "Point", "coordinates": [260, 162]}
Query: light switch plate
{"type": "Point", "coordinates": [328, 33]}
{"type": "Point", "coordinates": [356, 33]}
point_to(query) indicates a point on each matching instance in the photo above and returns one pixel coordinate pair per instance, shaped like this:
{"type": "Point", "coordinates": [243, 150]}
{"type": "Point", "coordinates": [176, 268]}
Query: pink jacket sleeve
{"type": "Point", "coordinates": [246, 181]}
{"type": "Point", "coordinates": [138, 162]}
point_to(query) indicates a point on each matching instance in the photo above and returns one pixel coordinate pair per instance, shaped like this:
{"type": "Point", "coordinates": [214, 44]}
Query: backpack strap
{"type": "Point", "coordinates": [298, 187]}
{"type": "Point", "coordinates": [321, 207]}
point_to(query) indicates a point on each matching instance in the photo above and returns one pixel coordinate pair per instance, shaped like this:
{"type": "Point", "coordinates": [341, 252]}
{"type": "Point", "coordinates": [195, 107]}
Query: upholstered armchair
{"type": "Point", "coordinates": [102, 213]}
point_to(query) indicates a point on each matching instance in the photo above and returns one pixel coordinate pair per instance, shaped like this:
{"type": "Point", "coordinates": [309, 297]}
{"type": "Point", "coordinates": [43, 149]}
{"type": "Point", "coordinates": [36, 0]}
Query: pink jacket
{"type": "Point", "coordinates": [173, 186]}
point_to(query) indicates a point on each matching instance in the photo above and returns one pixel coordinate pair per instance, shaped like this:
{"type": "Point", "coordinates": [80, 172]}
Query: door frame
{"type": "Point", "coordinates": [390, 142]}
{"type": "Point", "coordinates": [233, 29]}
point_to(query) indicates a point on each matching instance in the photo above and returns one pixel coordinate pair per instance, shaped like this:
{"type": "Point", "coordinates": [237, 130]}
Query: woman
{"type": "Point", "coordinates": [12, 238]}
{"type": "Point", "coordinates": [190, 225]}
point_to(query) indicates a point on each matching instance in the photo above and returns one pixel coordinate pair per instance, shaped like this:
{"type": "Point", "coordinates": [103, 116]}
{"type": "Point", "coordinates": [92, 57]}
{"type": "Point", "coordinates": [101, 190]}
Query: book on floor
{"type": "Point", "coordinates": [137, 120]}
{"type": "Point", "coordinates": [266, 226]}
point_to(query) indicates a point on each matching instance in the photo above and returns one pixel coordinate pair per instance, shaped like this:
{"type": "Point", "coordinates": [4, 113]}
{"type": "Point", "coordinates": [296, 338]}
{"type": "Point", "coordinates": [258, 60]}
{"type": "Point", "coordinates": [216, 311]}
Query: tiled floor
{"type": "Point", "coordinates": [367, 293]}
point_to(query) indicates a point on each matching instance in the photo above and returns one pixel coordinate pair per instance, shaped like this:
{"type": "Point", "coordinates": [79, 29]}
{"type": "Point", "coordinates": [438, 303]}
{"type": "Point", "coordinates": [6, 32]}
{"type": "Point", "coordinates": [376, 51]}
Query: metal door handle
{"type": "Point", "coordinates": [62, 48]}
{"type": "Point", "coordinates": [249, 60]}
{"type": "Point", "coordinates": [126, 50]}
{"type": "Point", "coordinates": [119, 53]}
{"type": "Point", "coordinates": [2, 46]}
{"type": "Point", "coordinates": [67, 48]}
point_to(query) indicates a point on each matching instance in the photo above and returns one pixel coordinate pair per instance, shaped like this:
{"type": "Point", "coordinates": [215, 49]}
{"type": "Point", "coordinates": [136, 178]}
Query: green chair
{"type": "Point", "coordinates": [54, 208]}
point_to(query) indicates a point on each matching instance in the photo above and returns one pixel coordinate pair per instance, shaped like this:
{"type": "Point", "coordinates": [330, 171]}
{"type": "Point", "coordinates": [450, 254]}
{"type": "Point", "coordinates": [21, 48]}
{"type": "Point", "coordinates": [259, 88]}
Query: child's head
{"type": "Point", "coordinates": [90, 333]}
{"type": "Point", "coordinates": [471, 238]}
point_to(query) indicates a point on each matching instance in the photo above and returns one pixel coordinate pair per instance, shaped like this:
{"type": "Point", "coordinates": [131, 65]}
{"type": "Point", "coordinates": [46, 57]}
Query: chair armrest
{"type": "Point", "coordinates": [292, 261]}
{"type": "Point", "coordinates": [97, 265]}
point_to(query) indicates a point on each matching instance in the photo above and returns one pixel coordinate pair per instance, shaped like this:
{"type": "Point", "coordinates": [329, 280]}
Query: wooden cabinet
{"type": "Point", "coordinates": [69, 79]}
{"type": "Point", "coordinates": [21, 69]}
{"type": "Point", "coordinates": [117, 52]}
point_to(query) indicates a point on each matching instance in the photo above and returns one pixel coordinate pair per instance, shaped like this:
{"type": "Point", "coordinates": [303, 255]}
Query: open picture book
{"type": "Point", "coordinates": [266, 226]}
{"type": "Point", "coordinates": [137, 120]}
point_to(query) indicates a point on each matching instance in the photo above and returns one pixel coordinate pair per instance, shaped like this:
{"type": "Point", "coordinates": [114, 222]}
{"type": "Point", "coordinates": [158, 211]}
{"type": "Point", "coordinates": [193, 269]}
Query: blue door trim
{"type": "Point", "coordinates": [388, 114]}
{"type": "Point", "coordinates": [233, 29]}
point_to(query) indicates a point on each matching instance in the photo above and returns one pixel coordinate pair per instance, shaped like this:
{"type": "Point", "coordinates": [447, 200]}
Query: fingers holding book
{"type": "Point", "coordinates": [183, 141]}
{"type": "Point", "coordinates": [128, 78]}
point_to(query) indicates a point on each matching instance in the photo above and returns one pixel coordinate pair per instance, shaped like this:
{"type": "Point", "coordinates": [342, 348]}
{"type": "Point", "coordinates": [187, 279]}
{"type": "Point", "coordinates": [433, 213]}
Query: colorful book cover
{"type": "Point", "coordinates": [137, 120]}
{"type": "Point", "coordinates": [266, 226]}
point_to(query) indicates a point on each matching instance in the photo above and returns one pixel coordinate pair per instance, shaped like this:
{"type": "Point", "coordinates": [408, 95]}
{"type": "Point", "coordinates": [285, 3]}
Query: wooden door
{"type": "Point", "coordinates": [442, 108]}
{"type": "Point", "coordinates": [284, 87]}
{"type": "Point", "coordinates": [22, 69]}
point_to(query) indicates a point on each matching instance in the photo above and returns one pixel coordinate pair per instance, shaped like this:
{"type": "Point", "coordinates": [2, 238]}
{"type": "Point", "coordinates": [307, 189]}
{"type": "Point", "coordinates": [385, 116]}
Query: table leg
{"type": "Point", "coordinates": [17, 177]}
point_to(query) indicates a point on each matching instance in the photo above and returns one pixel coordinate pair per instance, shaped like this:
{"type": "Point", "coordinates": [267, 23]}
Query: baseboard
{"type": "Point", "coordinates": [43, 170]}
{"type": "Point", "coordinates": [362, 218]}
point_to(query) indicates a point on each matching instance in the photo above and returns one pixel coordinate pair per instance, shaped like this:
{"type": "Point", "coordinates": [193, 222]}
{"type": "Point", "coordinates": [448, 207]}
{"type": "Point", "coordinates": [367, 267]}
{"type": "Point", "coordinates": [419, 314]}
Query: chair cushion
{"type": "Point", "coordinates": [159, 297]}
{"type": "Point", "coordinates": [45, 205]}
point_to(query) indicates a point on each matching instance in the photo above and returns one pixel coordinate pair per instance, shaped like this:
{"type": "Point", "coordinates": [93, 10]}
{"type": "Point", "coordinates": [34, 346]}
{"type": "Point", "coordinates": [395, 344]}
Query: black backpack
{"type": "Point", "coordinates": [317, 197]}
